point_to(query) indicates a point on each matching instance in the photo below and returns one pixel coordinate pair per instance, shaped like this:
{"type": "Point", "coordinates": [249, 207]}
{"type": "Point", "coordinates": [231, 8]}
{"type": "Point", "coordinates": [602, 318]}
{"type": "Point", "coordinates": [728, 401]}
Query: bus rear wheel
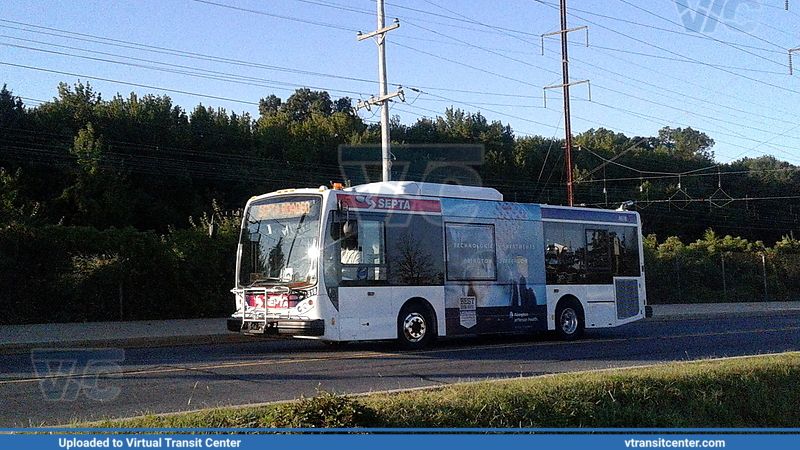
{"type": "Point", "coordinates": [415, 327]}
{"type": "Point", "coordinates": [569, 320]}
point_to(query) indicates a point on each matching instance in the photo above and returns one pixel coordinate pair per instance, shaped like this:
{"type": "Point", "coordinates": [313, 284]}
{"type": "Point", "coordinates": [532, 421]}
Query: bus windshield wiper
{"type": "Point", "coordinates": [269, 279]}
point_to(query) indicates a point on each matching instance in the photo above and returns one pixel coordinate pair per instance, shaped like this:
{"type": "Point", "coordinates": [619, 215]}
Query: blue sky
{"type": "Point", "coordinates": [650, 63]}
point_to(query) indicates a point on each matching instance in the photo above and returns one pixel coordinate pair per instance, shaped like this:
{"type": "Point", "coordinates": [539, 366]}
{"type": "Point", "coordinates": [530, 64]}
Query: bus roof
{"type": "Point", "coordinates": [420, 189]}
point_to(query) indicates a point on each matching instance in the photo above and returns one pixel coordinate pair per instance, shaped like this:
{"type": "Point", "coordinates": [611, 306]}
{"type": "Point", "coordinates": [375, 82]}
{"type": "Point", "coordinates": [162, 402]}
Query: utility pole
{"type": "Point", "coordinates": [565, 85]}
{"type": "Point", "coordinates": [567, 120]}
{"type": "Point", "coordinates": [383, 97]}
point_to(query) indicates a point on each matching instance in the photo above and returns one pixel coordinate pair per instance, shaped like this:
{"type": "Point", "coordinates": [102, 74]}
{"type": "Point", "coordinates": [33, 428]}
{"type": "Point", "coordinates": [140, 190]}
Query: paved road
{"type": "Point", "coordinates": [155, 333]}
{"type": "Point", "coordinates": [167, 379]}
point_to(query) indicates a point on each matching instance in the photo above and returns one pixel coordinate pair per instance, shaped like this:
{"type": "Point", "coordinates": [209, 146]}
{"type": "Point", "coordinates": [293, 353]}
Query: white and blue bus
{"type": "Point", "coordinates": [415, 261]}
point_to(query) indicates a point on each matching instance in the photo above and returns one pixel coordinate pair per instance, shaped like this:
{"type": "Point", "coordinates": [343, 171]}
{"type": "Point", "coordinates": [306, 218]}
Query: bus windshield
{"type": "Point", "coordinates": [279, 242]}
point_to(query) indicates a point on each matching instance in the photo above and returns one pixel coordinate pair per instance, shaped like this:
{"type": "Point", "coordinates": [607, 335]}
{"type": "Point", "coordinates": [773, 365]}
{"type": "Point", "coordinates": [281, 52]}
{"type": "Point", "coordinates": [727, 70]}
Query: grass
{"type": "Point", "coordinates": [751, 392]}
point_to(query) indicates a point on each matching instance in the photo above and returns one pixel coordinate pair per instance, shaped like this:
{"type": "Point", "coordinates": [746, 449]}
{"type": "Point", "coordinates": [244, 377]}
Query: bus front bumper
{"type": "Point", "coordinates": [289, 327]}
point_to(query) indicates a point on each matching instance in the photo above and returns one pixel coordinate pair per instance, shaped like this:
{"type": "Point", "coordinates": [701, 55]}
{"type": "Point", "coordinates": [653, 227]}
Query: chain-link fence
{"type": "Point", "coordinates": [723, 277]}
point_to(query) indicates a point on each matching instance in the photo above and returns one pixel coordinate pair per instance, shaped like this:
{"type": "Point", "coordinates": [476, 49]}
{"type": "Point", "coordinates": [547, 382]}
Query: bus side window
{"type": "Point", "coordinates": [350, 248]}
{"type": "Point", "coordinates": [625, 251]}
{"type": "Point", "coordinates": [414, 250]}
{"type": "Point", "coordinates": [363, 251]}
{"type": "Point", "coordinates": [598, 257]}
{"type": "Point", "coordinates": [470, 251]}
{"type": "Point", "coordinates": [564, 253]}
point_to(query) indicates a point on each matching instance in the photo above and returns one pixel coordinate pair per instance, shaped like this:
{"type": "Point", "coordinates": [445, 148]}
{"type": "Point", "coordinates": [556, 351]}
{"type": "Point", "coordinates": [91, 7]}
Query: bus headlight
{"type": "Point", "coordinates": [305, 306]}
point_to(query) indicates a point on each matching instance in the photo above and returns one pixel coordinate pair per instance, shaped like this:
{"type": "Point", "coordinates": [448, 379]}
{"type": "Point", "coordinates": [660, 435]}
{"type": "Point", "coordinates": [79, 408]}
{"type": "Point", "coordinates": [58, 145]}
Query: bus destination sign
{"type": "Point", "coordinates": [281, 210]}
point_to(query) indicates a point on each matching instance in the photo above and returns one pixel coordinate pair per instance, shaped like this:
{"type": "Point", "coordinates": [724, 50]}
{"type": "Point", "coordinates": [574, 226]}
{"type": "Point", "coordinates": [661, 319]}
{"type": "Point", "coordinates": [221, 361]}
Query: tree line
{"type": "Point", "coordinates": [92, 186]}
{"type": "Point", "coordinates": [147, 163]}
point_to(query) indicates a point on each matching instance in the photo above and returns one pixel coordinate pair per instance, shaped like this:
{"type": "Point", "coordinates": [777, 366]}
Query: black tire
{"type": "Point", "coordinates": [569, 320]}
{"type": "Point", "coordinates": [416, 328]}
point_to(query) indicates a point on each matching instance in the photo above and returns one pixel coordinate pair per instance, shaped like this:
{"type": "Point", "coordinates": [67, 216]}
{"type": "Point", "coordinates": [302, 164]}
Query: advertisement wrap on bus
{"type": "Point", "coordinates": [415, 261]}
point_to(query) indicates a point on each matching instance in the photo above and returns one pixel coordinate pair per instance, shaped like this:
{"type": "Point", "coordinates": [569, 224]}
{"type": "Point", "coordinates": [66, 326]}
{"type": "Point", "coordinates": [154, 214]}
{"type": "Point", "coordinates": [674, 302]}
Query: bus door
{"type": "Point", "coordinates": [357, 269]}
{"type": "Point", "coordinates": [378, 261]}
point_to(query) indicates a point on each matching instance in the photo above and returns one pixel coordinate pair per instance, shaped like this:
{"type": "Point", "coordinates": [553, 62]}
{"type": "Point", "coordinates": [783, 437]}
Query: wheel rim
{"type": "Point", "coordinates": [569, 321]}
{"type": "Point", "coordinates": [414, 327]}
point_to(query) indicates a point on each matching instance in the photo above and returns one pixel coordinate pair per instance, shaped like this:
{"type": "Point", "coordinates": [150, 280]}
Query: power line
{"type": "Point", "coordinates": [278, 16]}
{"type": "Point", "coordinates": [236, 78]}
{"type": "Point", "coordinates": [168, 51]}
{"type": "Point", "coordinates": [702, 13]}
{"type": "Point", "coordinates": [146, 86]}
{"type": "Point", "coordinates": [721, 69]}
{"type": "Point", "coordinates": [179, 69]}
{"type": "Point", "coordinates": [690, 60]}
{"type": "Point", "coordinates": [516, 34]}
{"type": "Point", "coordinates": [202, 57]}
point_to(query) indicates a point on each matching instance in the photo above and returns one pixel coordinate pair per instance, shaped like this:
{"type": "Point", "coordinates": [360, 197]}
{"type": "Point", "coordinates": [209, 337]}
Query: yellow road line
{"type": "Point", "coordinates": [376, 354]}
{"type": "Point", "coordinates": [195, 368]}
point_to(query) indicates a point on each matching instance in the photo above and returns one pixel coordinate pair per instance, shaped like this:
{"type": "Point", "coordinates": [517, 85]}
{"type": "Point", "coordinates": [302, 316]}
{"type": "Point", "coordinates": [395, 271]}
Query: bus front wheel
{"type": "Point", "coordinates": [569, 320]}
{"type": "Point", "coordinates": [415, 327]}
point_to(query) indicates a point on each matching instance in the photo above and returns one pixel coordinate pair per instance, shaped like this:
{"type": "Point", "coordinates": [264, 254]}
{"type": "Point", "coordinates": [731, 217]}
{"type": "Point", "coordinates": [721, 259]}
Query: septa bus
{"type": "Point", "coordinates": [415, 261]}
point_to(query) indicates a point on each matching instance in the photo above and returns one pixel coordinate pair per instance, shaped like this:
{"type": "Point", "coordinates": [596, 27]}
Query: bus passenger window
{"type": "Point", "coordinates": [414, 250]}
{"type": "Point", "coordinates": [363, 251]}
{"type": "Point", "coordinates": [350, 250]}
{"type": "Point", "coordinates": [598, 257]}
{"type": "Point", "coordinates": [625, 251]}
{"type": "Point", "coordinates": [470, 252]}
{"type": "Point", "coordinates": [564, 253]}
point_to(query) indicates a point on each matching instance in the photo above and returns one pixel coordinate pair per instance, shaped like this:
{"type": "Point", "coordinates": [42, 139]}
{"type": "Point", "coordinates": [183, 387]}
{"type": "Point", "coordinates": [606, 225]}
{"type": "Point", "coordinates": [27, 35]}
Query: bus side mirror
{"type": "Point", "coordinates": [349, 229]}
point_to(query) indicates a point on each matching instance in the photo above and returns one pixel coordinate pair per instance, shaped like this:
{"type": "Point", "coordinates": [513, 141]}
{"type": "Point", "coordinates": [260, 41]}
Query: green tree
{"type": "Point", "coordinates": [71, 110]}
{"type": "Point", "coordinates": [98, 196]}
{"type": "Point", "coordinates": [602, 139]}
{"type": "Point", "coordinates": [686, 143]}
{"type": "Point", "coordinates": [768, 170]}
{"type": "Point", "coordinates": [269, 105]}
{"type": "Point", "coordinates": [88, 148]}
{"type": "Point", "coordinates": [305, 133]}
{"type": "Point", "coordinates": [788, 245]}
{"type": "Point", "coordinates": [533, 172]}
{"type": "Point", "coordinates": [304, 102]}
{"type": "Point", "coordinates": [12, 111]}
{"type": "Point", "coordinates": [13, 207]}
{"type": "Point", "coordinates": [12, 139]}
{"type": "Point", "coordinates": [149, 120]}
{"type": "Point", "coordinates": [671, 247]}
